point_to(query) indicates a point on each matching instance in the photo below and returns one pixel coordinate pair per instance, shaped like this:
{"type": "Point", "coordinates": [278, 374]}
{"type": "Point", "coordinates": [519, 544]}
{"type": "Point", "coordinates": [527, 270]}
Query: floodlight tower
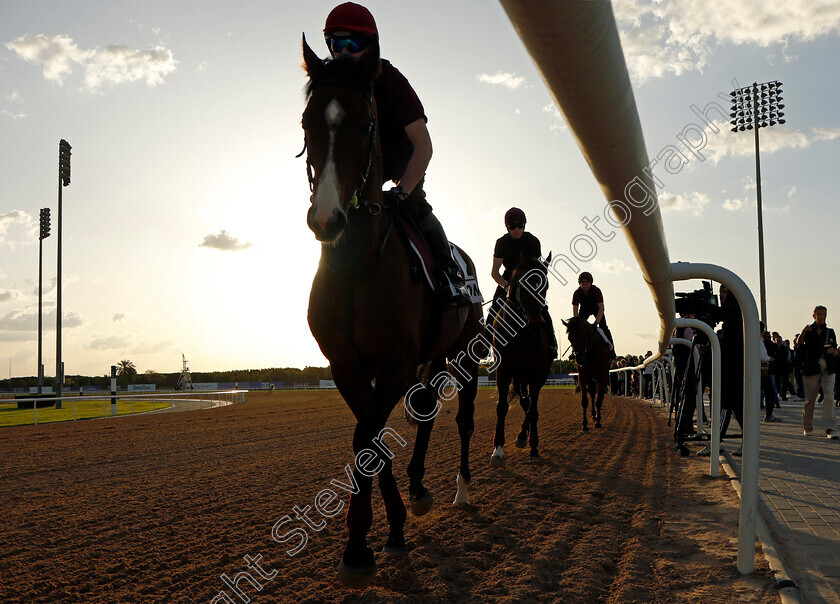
{"type": "Point", "coordinates": [63, 181]}
{"type": "Point", "coordinates": [44, 233]}
{"type": "Point", "coordinates": [754, 107]}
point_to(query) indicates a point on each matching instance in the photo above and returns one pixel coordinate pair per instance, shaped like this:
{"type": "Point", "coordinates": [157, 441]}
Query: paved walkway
{"type": "Point", "coordinates": [799, 499]}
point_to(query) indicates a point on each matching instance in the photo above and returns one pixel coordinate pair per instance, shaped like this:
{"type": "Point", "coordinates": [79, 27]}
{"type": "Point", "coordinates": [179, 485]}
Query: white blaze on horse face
{"type": "Point", "coordinates": [327, 198]}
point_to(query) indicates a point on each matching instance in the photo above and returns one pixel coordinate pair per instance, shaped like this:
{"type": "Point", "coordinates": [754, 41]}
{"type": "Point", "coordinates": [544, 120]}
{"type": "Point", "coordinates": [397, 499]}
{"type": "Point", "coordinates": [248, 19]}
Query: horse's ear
{"type": "Point", "coordinates": [370, 60]}
{"type": "Point", "coordinates": [311, 62]}
{"type": "Point", "coordinates": [565, 324]}
{"type": "Point", "coordinates": [547, 261]}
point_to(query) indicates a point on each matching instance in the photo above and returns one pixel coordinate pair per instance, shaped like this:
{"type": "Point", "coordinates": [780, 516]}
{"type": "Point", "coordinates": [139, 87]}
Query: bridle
{"type": "Point", "coordinates": [356, 201]}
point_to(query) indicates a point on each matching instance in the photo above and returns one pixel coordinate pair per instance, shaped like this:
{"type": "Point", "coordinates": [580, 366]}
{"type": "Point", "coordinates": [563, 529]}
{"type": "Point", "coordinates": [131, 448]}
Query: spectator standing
{"type": "Point", "coordinates": [818, 369]}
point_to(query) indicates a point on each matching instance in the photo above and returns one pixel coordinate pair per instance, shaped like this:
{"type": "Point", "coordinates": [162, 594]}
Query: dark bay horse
{"type": "Point", "coordinates": [592, 355]}
{"type": "Point", "coordinates": [526, 357]}
{"type": "Point", "coordinates": [375, 324]}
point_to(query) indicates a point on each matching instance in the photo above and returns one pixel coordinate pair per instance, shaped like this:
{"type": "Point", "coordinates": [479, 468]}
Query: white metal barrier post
{"type": "Point", "coordinates": [714, 426]}
{"type": "Point", "coordinates": [752, 375]}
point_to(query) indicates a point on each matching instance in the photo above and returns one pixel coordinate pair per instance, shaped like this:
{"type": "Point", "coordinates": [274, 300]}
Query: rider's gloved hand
{"type": "Point", "coordinates": [395, 196]}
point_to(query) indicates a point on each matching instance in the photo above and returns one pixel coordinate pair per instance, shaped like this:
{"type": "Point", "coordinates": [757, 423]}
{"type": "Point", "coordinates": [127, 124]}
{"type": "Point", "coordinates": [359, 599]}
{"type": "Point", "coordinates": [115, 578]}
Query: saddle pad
{"type": "Point", "coordinates": [603, 335]}
{"type": "Point", "coordinates": [470, 280]}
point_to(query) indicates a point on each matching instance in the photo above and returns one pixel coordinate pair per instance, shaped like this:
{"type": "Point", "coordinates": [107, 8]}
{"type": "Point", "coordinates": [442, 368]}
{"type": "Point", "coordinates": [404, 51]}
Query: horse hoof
{"type": "Point", "coordinates": [394, 547]}
{"type": "Point", "coordinates": [462, 496]}
{"type": "Point", "coordinates": [422, 504]}
{"type": "Point", "coordinates": [497, 461]}
{"type": "Point", "coordinates": [534, 453]}
{"type": "Point", "coordinates": [597, 424]}
{"type": "Point", "coordinates": [356, 577]}
{"type": "Point", "coordinates": [584, 429]}
{"type": "Point", "coordinates": [522, 441]}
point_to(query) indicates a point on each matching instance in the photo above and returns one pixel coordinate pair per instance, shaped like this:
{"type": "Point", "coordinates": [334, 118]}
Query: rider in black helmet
{"type": "Point", "coordinates": [588, 301]}
{"type": "Point", "coordinates": [507, 253]}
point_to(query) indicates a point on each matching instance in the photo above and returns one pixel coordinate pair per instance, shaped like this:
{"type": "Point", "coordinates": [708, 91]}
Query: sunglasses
{"type": "Point", "coordinates": [515, 225]}
{"type": "Point", "coordinates": [350, 44]}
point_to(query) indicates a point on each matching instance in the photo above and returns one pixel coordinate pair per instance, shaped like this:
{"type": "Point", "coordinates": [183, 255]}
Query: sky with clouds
{"type": "Point", "coordinates": [184, 224]}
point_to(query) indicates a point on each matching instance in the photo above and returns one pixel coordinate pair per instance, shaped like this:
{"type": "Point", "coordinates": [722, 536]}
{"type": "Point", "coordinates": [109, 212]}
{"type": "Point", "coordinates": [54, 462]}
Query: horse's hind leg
{"type": "Point", "coordinates": [533, 417]}
{"type": "Point", "coordinates": [597, 404]}
{"type": "Point", "coordinates": [422, 404]}
{"type": "Point", "coordinates": [525, 403]}
{"type": "Point", "coordinates": [466, 425]}
{"type": "Point", "coordinates": [583, 404]}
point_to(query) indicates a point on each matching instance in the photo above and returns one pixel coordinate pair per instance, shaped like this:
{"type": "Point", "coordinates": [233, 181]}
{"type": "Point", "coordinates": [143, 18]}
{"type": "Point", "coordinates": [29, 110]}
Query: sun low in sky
{"type": "Point", "coordinates": [184, 226]}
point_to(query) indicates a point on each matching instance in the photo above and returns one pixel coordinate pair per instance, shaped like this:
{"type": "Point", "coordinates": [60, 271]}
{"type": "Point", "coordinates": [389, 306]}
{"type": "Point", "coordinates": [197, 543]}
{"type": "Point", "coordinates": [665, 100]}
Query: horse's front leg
{"type": "Point", "coordinates": [525, 403]}
{"type": "Point", "coordinates": [533, 417]}
{"type": "Point", "coordinates": [497, 460]}
{"type": "Point", "coordinates": [358, 565]}
{"type": "Point", "coordinates": [583, 403]}
{"type": "Point", "coordinates": [421, 404]}
{"type": "Point", "coordinates": [466, 425]}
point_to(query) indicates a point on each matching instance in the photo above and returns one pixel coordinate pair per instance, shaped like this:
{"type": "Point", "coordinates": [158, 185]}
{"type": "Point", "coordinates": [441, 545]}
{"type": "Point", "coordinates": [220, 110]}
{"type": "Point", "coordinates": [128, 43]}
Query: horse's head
{"type": "Point", "coordinates": [529, 284]}
{"type": "Point", "coordinates": [339, 125]}
{"type": "Point", "coordinates": [580, 334]}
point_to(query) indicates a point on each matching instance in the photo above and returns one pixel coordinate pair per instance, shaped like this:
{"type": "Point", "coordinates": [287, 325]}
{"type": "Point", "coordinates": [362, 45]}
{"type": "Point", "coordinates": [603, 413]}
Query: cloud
{"type": "Point", "coordinates": [117, 316]}
{"type": "Point", "coordinates": [613, 267]}
{"type": "Point", "coordinates": [7, 295]}
{"type": "Point", "coordinates": [670, 38]}
{"type": "Point", "coordinates": [109, 343]}
{"type": "Point", "coordinates": [225, 242]}
{"type": "Point", "coordinates": [689, 202]}
{"type": "Point", "coordinates": [19, 321]}
{"type": "Point", "coordinates": [17, 223]}
{"type": "Point", "coordinates": [59, 56]}
{"type": "Point", "coordinates": [826, 134]}
{"type": "Point", "coordinates": [738, 204]}
{"type": "Point", "coordinates": [508, 80]}
{"type": "Point", "coordinates": [154, 348]}
{"type": "Point", "coordinates": [779, 138]}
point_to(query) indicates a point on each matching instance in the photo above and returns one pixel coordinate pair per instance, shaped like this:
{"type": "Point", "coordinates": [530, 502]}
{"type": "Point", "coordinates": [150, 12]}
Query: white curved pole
{"type": "Point", "coordinates": [752, 377]}
{"type": "Point", "coordinates": [576, 48]}
{"type": "Point", "coordinates": [714, 426]}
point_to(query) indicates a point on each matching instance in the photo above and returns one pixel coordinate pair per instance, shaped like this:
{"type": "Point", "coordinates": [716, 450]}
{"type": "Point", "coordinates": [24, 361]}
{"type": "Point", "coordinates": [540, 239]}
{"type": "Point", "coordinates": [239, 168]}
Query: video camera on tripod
{"type": "Point", "coordinates": [701, 303]}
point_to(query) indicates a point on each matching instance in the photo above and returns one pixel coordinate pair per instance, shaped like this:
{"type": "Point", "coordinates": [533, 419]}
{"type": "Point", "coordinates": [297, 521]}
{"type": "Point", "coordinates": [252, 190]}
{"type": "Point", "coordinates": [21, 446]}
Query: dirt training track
{"type": "Point", "coordinates": [156, 508]}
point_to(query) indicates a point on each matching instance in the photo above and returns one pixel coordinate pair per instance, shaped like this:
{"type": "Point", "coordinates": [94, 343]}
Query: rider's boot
{"type": "Point", "coordinates": [608, 333]}
{"type": "Point", "coordinates": [451, 287]}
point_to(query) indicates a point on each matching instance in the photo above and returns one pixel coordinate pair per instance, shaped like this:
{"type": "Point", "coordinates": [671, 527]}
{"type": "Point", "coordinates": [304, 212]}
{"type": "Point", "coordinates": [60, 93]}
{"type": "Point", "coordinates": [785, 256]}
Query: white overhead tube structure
{"type": "Point", "coordinates": [575, 46]}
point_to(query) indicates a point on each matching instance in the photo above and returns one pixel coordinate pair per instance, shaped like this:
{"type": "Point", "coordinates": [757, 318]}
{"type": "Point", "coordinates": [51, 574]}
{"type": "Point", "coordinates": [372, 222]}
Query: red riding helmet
{"type": "Point", "coordinates": [514, 215]}
{"type": "Point", "coordinates": [351, 17]}
{"type": "Point", "coordinates": [585, 276]}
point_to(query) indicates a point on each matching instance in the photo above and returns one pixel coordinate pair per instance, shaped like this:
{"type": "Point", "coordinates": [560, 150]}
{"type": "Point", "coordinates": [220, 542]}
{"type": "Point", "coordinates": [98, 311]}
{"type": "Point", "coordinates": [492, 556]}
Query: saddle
{"type": "Point", "coordinates": [421, 261]}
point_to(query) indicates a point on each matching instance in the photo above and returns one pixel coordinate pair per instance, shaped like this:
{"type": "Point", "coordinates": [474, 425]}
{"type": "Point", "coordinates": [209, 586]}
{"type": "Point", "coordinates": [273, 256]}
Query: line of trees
{"type": "Point", "coordinates": [127, 374]}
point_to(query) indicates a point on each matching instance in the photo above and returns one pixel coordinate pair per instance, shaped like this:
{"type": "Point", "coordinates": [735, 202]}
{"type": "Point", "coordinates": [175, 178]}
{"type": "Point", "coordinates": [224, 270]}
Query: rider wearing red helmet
{"type": "Point", "coordinates": [349, 31]}
{"type": "Point", "coordinates": [507, 253]}
{"type": "Point", "coordinates": [588, 301]}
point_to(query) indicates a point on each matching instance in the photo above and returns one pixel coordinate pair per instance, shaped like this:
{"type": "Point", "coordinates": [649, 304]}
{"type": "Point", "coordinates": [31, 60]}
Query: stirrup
{"type": "Point", "coordinates": [453, 291]}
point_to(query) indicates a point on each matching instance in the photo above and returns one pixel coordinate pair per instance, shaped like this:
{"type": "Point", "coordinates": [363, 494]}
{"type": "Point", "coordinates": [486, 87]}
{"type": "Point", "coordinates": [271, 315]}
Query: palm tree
{"type": "Point", "coordinates": [126, 369]}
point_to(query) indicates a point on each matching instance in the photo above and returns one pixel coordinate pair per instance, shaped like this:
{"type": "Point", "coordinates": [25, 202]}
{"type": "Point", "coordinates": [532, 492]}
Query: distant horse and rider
{"type": "Point", "coordinates": [525, 352]}
{"type": "Point", "coordinates": [377, 324]}
{"type": "Point", "coordinates": [592, 355]}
